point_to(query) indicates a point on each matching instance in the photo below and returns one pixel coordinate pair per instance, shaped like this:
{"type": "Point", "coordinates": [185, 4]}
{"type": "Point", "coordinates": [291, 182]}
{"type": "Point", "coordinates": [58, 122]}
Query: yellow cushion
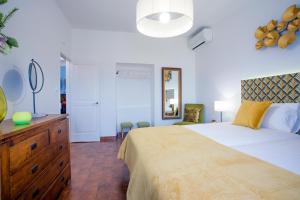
{"type": "Point", "coordinates": [251, 114]}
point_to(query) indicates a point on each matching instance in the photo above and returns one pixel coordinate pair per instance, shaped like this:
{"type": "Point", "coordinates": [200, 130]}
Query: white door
{"type": "Point", "coordinates": [85, 104]}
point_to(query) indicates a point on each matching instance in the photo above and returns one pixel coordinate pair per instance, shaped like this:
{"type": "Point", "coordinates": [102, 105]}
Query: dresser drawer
{"type": "Point", "coordinates": [59, 184]}
{"type": "Point", "coordinates": [38, 188]}
{"type": "Point", "coordinates": [25, 175]}
{"type": "Point", "coordinates": [27, 148]}
{"type": "Point", "coordinates": [60, 131]}
{"type": "Point", "coordinates": [61, 147]}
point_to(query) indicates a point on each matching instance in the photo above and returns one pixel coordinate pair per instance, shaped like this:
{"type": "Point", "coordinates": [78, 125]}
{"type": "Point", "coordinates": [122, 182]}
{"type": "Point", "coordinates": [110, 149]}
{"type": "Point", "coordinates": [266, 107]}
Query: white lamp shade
{"type": "Point", "coordinates": [164, 18]}
{"type": "Point", "coordinates": [221, 106]}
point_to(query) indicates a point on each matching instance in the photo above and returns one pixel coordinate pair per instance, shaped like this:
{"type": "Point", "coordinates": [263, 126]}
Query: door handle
{"type": "Point", "coordinates": [97, 103]}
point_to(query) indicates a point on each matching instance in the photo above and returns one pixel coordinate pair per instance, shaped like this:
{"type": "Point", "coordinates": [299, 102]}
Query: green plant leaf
{"type": "Point", "coordinates": [5, 49]}
{"type": "Point", "coordinates": [12, 42]}
{"type": "Point", "coordinates": [9, 15]}
{"type": "Point", "coordinates": [3, 35]}
{"type": "Point", "coordinates": [3, 1]}
{"type": "Point", "coordinates": [1, 18]}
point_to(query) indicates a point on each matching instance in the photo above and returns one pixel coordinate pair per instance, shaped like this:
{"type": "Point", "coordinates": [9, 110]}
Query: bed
{"type": "Point", "coordinates": [276, 147]}
{"type": "Point", "coordinates": [217, 160]}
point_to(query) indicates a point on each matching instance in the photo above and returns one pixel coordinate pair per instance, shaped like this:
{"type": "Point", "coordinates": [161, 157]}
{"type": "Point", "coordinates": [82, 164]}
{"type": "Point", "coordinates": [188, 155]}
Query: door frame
{"type": "Point", "coordinates": [68, 96]}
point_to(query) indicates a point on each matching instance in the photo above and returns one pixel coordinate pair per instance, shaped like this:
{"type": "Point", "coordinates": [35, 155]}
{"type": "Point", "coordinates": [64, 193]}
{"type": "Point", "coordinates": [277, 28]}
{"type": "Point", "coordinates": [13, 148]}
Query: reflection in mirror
{"type": "Point", "coordinates": [171, 93]}
{"type": "Point", "coordinates": [13, 85]}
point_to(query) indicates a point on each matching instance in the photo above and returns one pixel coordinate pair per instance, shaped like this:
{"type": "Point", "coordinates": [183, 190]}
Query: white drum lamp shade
{"type": "Point", "coordinates": [221, 106]}
{"type": "Point", "coordinates": [164, 18]}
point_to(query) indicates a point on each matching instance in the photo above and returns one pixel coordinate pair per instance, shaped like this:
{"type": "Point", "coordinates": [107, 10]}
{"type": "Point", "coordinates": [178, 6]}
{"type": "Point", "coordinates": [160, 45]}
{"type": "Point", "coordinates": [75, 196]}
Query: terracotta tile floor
{"type": "Point", "coordinates": [96, 173]}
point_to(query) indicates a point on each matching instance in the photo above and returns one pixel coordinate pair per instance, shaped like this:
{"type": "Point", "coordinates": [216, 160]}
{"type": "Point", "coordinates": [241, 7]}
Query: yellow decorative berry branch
{"type": "Point", "coordinates": [283, 33]}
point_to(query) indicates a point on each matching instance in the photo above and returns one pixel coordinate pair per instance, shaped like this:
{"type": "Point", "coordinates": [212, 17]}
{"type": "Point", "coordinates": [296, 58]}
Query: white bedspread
{"type": "Point", "coordinates": [276, 147]}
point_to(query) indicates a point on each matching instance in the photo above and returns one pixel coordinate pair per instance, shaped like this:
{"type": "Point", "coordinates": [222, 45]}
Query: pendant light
{"type": "Point", "coordinates": [164, 18]}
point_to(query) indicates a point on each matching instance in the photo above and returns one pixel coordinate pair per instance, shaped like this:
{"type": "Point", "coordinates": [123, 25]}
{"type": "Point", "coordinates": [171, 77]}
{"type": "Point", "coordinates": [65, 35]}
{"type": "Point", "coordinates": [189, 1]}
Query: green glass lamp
{"type": "Point", "coordinates": [22, 118]}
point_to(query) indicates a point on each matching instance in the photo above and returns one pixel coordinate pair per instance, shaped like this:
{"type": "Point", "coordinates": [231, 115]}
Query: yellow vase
{"type": "Point", "coordinates": [3, 105]}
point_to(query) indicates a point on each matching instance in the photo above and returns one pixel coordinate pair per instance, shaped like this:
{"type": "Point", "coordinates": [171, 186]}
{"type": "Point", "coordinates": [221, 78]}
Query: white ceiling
{"type": "Point", "coordinates": [119, 15]}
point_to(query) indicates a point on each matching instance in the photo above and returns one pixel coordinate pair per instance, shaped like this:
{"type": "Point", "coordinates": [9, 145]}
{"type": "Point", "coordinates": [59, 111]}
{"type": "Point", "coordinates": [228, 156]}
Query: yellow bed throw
{"type": "Point", "coordinates": [172, 163]}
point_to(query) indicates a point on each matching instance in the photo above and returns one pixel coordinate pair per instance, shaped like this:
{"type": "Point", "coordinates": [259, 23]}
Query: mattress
{"type": "Point", "coordinates": [273, 146]}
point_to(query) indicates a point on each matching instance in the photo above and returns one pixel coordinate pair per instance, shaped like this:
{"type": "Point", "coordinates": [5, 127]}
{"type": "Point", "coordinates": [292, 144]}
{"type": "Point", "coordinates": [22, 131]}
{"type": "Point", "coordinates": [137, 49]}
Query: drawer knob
{"type": "Point", "coordinates": [59, 131]}
{"type": "Point", "coordinates": [62, 179]}
{"type": "Point", "coordinates": [61, 147]}
{"type": "Point", "coordinates": [61, 164]}
{"type": "Point", "coordinates": [33, 146]}
{"type": "Point", "coordinates": [35, 193]}
{"type": "Point", "coordinates": [34, 169]}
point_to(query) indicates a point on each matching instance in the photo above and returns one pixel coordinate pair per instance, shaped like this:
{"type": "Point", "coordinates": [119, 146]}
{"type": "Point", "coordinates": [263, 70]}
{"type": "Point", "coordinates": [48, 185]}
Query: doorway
{"type": "Point", "coordinates": [134, 93]}
{"type": "Point", "coordinates": [63, 85]}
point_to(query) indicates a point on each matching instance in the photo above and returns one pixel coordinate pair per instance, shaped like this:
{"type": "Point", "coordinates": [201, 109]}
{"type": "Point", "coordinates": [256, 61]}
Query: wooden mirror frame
{"type": "Point", "coordinates": [179, 116]}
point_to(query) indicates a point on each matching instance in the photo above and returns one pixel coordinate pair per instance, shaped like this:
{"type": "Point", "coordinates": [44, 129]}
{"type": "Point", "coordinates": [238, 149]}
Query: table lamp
{"type": "Point", "coordinates": [221, 106]}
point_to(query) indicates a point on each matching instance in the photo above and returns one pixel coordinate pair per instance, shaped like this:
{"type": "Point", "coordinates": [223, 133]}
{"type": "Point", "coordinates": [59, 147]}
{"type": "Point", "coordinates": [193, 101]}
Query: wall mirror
{"type": "Point", "coordinates": [13, 85]}
{"type": "Point", "coordinates": [171, 93]}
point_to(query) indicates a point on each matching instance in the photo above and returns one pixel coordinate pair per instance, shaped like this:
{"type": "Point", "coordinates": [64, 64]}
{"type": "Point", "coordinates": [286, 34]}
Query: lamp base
{"type": "Point", "coordinates": [38, 115]}
{"type": "Point", "coordinates": [221, 116]}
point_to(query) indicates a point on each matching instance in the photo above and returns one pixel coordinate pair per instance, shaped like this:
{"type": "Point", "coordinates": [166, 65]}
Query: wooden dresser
{"type": "Point", "coordinates": [35, 158]}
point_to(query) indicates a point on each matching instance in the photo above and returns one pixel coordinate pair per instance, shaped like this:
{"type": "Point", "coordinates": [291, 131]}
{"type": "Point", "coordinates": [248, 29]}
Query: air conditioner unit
{"type": "Point", "coordinates": [201, 38]}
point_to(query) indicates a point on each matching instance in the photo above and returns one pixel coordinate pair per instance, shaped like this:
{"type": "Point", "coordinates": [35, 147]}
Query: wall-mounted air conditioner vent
{"type": "Point", "coordinates": [201, 38]}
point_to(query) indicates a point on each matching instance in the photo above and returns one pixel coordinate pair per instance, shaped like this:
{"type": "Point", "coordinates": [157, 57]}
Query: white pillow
{"type": "Point", "coordinates": [283, 116]}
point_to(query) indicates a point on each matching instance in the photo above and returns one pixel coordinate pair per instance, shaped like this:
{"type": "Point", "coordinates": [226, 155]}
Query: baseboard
{"type": "Point", "coordinates": [108, 139]}
{"type": "Point", "coordinates": [84, 138]}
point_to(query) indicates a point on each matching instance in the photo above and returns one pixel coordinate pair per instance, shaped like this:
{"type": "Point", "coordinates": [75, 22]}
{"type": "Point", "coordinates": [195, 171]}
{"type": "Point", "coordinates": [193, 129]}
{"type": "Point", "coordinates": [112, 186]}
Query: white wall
{"type": "Point", "coordinates": [105, 49]}
{"type": "Point", "coordinates": [42, 33]}
{"type": "Point", "coordinates": [231, 57]}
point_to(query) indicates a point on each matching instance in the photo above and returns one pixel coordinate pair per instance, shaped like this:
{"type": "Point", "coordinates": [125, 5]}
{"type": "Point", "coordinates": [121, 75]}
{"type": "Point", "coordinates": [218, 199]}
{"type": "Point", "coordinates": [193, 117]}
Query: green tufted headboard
{"type": "Point", "coordinates": [278, 89]}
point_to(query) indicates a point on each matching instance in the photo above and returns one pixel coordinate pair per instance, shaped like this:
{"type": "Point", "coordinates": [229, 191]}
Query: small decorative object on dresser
{"type": "Point", "coordinates": [3, 105]}
{"type": "Point", "coordinates": [22, 118]}
{"type": "Point", "coordinates": [35, 159]}
{"type": "Point", "coordinates": [33, 69]}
